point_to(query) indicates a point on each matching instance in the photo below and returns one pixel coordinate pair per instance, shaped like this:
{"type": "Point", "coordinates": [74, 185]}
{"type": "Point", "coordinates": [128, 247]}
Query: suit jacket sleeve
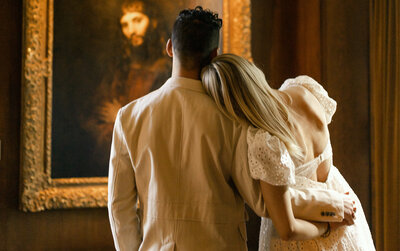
{"type": "Point", "coordinates": [317, 204]}
{"type": "Point", "coordinates": [122, 194]}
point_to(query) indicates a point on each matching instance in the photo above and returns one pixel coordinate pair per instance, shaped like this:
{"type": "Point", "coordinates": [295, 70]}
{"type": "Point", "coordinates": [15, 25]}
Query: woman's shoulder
{"type": "Point", "coordinates": [296, 93]}
{"type": "Point", "coordinates": [312, 93]}
{"type": "Point", "coordinates": [303, 104]}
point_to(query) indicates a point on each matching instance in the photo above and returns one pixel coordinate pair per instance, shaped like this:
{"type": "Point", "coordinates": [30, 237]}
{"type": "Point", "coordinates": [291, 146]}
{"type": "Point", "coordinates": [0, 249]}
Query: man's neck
{"type": "Point", "coordinates": [179, 71]}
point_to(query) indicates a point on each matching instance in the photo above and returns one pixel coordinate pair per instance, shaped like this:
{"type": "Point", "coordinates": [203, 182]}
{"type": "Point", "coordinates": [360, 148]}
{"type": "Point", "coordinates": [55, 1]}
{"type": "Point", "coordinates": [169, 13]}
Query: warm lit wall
{"type": "Point", "coordinates": [326, 39]}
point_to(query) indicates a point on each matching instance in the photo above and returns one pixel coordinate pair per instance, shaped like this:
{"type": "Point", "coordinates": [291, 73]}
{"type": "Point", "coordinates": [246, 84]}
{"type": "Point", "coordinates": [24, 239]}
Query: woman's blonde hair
{"type": "Point", "coordinates": [240, 90]}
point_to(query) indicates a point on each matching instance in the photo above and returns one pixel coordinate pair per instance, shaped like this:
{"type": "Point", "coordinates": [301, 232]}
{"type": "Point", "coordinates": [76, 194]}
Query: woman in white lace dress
{"type": "Point", "coordinates": [288, 145]}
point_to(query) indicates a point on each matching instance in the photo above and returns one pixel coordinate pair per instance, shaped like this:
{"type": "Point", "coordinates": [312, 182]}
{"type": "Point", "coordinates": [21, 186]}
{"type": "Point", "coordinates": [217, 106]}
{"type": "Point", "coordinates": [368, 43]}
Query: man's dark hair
{"type": "Point", "coordinates": [194, 35]}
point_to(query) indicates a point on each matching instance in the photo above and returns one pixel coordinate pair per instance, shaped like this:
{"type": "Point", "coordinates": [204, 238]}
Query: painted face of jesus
{"type": "Point", "coordinates": [134, 26]}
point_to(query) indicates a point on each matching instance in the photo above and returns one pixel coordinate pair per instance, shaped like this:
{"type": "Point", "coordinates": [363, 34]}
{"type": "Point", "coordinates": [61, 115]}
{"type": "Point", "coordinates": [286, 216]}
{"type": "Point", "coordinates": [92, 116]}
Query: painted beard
{"type": "Point", "coordinates": [144, 52]}
{"type": "Point", "coordinates": [139, 54]}
{"type": "Point", "coordinates": [136, 40]}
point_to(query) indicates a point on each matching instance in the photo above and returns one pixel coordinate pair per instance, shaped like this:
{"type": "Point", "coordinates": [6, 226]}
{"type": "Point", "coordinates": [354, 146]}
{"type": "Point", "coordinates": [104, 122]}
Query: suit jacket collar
{"type": "Point", "coordinates": [186, 83]}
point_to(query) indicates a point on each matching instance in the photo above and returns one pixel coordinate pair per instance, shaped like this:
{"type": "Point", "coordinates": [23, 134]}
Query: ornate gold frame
{"type": "Point", "coordinates": [38, 190]}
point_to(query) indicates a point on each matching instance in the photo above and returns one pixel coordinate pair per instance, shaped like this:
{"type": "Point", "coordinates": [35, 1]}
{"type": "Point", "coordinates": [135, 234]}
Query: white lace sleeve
{"type": "Point", "coordinates": [269, 160]}
{"type": "Point", "coordinates": [317, 90]}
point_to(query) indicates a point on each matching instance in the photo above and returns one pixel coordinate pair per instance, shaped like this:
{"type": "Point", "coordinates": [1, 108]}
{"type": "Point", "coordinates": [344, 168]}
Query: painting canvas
{"type": "Point", "coordinates": [82, 61]}
{"type": "Point", "coordinates": [105, 54]}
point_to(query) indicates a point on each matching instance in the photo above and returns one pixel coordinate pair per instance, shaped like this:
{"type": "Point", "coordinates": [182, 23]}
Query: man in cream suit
{"type": "Point", "coordinates": [186, 163]}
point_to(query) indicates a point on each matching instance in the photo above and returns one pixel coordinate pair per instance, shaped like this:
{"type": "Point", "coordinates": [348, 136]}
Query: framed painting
{"type": "Point", "coordinates": [82, 61]}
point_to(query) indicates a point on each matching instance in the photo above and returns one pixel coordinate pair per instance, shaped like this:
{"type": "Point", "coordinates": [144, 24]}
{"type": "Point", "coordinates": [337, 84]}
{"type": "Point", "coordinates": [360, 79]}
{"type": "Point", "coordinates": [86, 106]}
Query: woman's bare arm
{"type": "Point", "coordinates": [278, 202]}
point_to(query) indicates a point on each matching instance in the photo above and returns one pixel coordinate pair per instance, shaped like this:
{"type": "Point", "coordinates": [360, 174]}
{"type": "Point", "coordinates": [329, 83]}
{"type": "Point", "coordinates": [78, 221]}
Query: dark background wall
{"type": "Point", "coordinates": [327, 40]}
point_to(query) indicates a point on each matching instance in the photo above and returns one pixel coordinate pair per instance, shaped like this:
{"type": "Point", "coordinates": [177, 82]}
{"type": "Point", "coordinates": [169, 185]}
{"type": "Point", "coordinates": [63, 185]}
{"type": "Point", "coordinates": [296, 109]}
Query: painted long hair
{"type": "Point", "coordinates": [241, 92]}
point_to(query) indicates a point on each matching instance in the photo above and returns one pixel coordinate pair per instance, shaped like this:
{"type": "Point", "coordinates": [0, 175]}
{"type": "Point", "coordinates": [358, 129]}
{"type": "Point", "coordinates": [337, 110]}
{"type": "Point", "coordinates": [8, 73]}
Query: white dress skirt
{"type": "Point", "coordinates": [270, 161]}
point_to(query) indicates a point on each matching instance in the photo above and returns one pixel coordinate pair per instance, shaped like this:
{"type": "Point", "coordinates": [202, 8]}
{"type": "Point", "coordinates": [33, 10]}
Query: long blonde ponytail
{"type": "Point", "coordinates": [240, 90]}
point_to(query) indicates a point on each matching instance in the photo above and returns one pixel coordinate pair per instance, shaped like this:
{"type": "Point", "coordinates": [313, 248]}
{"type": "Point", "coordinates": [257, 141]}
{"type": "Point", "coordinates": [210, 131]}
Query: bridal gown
{"type": "Point", "coordinates": [270, 161]}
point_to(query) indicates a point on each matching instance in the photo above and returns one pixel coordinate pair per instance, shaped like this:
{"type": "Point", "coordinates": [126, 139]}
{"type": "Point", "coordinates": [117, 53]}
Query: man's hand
{"type": "Point", "coordinates": [349, 213]}
{"type": "Point", "coordinates": [349, 209]}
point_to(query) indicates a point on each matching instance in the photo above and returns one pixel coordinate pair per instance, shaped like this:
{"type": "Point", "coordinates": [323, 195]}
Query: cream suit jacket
{"type": "Point", "coordinates": [186, 164]}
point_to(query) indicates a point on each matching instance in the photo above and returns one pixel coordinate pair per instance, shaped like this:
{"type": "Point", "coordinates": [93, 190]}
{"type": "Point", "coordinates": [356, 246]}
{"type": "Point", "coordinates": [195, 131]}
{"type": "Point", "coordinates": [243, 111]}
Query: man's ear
{"type": "Point", "coordinates": [169, 48]}
{"type": "Point", "coordinates": [214, 53]}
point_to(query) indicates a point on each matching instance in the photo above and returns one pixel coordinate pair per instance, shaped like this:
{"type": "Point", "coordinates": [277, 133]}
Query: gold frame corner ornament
{"type": "Point", "coordinates": [38, 190]}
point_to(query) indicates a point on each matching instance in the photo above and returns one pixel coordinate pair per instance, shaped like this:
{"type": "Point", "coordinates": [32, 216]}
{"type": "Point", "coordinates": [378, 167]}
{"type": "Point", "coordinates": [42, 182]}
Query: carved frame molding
{"type": "Point", "coordinates": [38, 190]}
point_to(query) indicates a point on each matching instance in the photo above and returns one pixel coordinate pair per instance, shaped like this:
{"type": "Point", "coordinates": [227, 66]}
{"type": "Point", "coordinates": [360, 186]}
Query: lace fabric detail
{"type": "Point", "coordinates": [341, 239]}
{"type": "Point", "coordinates": [269, 160]}
{"type": "Point", "coordinates": [317, 90]}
